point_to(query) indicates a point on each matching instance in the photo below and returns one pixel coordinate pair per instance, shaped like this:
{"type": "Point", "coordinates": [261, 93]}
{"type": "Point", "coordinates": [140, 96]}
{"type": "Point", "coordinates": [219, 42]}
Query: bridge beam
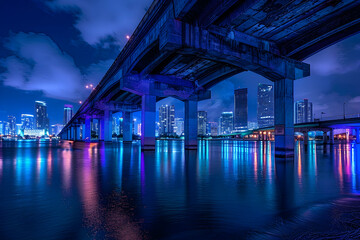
{"type": "Point", "coordinates": [148, 118]}
{"type": "Point", "coordinates": [190, 124]}
{"type": "Point", "coordinates": [284, 119]}
{"type": "Point", "coordinates": [244, 53]}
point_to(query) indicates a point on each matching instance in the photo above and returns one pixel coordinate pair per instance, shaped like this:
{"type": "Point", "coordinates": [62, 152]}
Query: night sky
{"type": "Point", "coordinates": [50, 50]}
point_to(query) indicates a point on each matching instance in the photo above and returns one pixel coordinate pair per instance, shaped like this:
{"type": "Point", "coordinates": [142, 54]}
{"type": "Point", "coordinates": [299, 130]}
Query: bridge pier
{"type": "Point", "coordinates": [357, 130]}
{"type": "Point", "coordinates": [325, 139]}
{"type": "Point", "coordinates": [190, 124]}
{"type": "Point", "coordinates": [106, 126]}
{"type": "Point", "coordinates": [148, 118]}
{"type": "Point", "coordinates": [77, 133]}
{"type": "Point", "coordinates": [127, 127]}
{"type": "Point", "coordinates": [284, 119]}
{"type": "Point", "coordinates": [331, 137]}
{"type": "Point", "coordinates": [87, 129]}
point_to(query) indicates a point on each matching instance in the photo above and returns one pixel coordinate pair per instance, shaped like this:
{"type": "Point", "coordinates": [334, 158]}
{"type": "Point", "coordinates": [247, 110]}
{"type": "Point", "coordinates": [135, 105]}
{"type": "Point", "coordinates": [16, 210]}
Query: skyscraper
{"type": "Point", "coordinates": [265, 105]}
{"type": "Point", "coordinates": [12, 125]}
{"type": "Point", "coordinates": [68, 113]}
{"type": "Point", "coordinates": [226, 123]}
{"type": "Point", "coordinates": [214, 129]}
{"type": "Point", "coordinates": [303, 111]}
{"type": "Point", "coordinates": [166, 119]}
{"type": "Point", "coordinates": [42, 120]}
{"type": "Point", "coordinates": [179, 126]}
{"type": "Point", "coordinates": [241, 109]}
{"type": "Point", "coordinates": [201, 122]}
{"type": "Point", "coordinates": [56, 129]}
{"type": "Point", "coordinates": [27, 121]}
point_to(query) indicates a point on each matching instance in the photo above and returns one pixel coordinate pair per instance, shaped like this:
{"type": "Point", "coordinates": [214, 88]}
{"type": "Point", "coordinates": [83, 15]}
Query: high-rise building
{"type": "Point", "coordinates": [303, 111]}
{"type": "Point", "coordinates": [252, 125]}
{"type": "Point", "coordinates": [42, 120]}
{"type": "Point", "coordinates": [56, 129]}
{"type": "Point", "coordinates": [179, 126]}
{"type": "Point", "coordinates": [226, 123]}
{"type": "Point", "coordinates": [12, 125]}
{"type": "Point", "coordinates": [214, 128]}
{"type": "Point", "coordinates": [2, 128]}
{"type": "Point", "coordinates": [27, 121]}
{"type": "Point", "coordinates": [166, 119]}
{"type": "Point", "coordinates": [265, 105]}
{"type": "Point", "coordinates": [240, 109]}
{"type": "Point", "coordinates": [68, 113]}
{"type": "Point", "coordinates": [201, 122]}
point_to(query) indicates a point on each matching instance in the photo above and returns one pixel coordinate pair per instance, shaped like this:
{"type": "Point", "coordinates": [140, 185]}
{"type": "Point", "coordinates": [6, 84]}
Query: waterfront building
{"type": "Point", "coordinates": [252, 125]}
{"type": "Point", "coordinates": [201, 122]}
{"type": "Point", "coordinates": [303, 111]}
{"type": "Point", "coordinates": [179, 126]}
{"type": "Point", "coordinates": [214, 128]}
{"type": "Point", "coordinates": [166, 119]}
{"type": "Point", "coordinates": [41, 116]}
{"type": "Point", "coordinates": [265, 105]}
{"type": "Point", "coordinates": [68, 113]}
{"type": "Point", "coordinates": [12, 125]}
{"type": "Point", "coordinates": [226, 123]}
{"type": "Point", "coordinates": [27, 121]}
{"type": "Point", "coordinates": [56, 129]}
{"type": "Point", "coordinates": [240, 109]}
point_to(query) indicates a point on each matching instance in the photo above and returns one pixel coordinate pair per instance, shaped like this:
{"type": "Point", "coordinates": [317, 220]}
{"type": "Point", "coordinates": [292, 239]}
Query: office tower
{"type": "Point", "coordinates": [179, 126]}
{"type": "Point", "coordinates": [240, 109]}
{"type": "Point", "coordinates": [303, 111]}
{"type": "Point", "coordinates": [252, 125]}
{"type": "Point", "coordinates": [213, 128]}
{"type": "Point", "coordinates": [139, 129]}
{"type": "Point", "coordinates": [56, 129]}
{"type": "Point", "coordinates": [116, 125]}
{"type": "Point", "coordinates": [42, 120]}
{"type": "Point", "coordinates": [201, 122]}
{"type": "Point", "coordinates": [12, 125]}
{"type": "Point", "coordinates": [166, 119]}
{"type": "Point", "coordinates": [265, 105]}
{"type": "Point", "coordinates": [27, 121]}
{"type": "Point", "coordinates": [68, 113]}
{"type": "Point", "coordinates": [2, 128]}
{"type": "Point", "coordinates": [226, 123]}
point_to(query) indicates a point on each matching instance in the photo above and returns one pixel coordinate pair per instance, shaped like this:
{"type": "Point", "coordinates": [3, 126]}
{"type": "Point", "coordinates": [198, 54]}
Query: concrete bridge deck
{"type": "Point", "coordinates": [181, 48]}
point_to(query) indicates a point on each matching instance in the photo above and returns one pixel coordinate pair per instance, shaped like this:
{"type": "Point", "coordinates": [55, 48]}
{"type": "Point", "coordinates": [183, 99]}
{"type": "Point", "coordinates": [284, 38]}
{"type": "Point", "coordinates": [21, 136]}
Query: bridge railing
{"type": "Point", "coordinates": [337, 117]}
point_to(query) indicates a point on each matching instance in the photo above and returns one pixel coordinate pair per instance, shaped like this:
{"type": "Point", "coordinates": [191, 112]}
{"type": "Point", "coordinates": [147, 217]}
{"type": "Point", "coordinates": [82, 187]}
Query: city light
{"type": "Point", "coordinates": [127, 37]}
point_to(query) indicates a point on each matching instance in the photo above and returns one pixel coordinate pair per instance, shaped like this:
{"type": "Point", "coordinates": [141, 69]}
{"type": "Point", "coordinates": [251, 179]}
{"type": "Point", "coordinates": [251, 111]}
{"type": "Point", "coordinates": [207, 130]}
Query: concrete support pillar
{"type": "Point", "coordinates": [190, 124]}
{"type": "Point", "coordinates": [106, 126]}
{"type": "Point", "coordinates": [77, 133]}
{"type": "Point", "coordinates": [148, 118]}
{"type": "Point", "coordinates": [357, 132]}
{"type": "Point", "coordinates": [325, 140]}
{"type": "Point", "coordinates": [284, 119]}
{"type": "Point", "coordinates": [332, 136]}
{"type": "Point", "coordinates": [87, 129]}
{"type": "Point", "coordinates": [127, 127]}
{"type": "Point", "coordinates": [306, 138]}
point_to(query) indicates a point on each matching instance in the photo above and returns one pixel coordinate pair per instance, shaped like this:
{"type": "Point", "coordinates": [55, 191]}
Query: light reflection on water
{"type": "Point", "coordinates": [51, 190]}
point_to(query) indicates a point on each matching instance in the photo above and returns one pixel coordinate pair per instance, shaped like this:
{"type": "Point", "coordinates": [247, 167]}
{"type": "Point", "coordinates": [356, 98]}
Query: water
{"type": "Point", "coordinates": [225, 190]}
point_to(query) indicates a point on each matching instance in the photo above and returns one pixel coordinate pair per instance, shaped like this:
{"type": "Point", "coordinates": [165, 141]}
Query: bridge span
{"type": "Point", "coordinates": [181, 48]}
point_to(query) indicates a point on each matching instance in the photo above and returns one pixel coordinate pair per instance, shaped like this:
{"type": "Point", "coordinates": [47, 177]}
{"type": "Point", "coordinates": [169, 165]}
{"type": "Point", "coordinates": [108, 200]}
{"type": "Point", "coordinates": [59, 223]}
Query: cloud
{"type": "Point", "coordinates": [38, 64]}
{"type": "Point", "coordinates": [101, 22]}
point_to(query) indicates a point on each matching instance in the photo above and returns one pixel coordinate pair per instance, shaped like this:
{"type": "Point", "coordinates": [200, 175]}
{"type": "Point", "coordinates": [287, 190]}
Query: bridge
{"type": "Point", "coordinates": [181, 48]}
{"type": "Point", "coordinates": [351, 121]}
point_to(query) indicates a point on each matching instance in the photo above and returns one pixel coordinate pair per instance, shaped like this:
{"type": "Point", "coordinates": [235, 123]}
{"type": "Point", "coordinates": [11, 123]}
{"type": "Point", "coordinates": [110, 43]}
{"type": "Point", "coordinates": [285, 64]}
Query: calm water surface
{"type": "Point", "coordinates": [225, 190]}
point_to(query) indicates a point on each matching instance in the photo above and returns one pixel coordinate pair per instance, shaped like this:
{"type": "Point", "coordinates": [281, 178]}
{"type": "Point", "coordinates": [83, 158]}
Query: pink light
{"type": "Point", "coordinates": [91, 85]}
{"type": "Point", "coordinates": [80, 102]}
{"type": "Point", "coordinates": [87, 86]}
{"type": "Point", "coordinates": [127, 37]}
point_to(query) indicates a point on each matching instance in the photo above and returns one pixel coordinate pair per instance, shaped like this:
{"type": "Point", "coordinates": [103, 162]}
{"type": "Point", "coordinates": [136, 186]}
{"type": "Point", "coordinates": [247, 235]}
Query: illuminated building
{"type": "Point", "coordinates": [12, 125]}
{"type": "Point", "coordinates": [179, 126]}
{"type": "Point", "coordinates": [240, 109]}
{"type": "Point", "coordinates": [303, 111]}
{"type": "Point", "coordinates": [42, 120]}
{"type": "Point", "coordinates": [27, 121]}
{"type": "Point", "coordinates": [201, 122]}
{"type": "Point", "coordinates": [166, 119]}
{"type": "Point", "coordinates": [265, 105]}
{"type": "Point", "coordinates": [68, 113]}
{"type": "Point", "coordinates": [226, 123]}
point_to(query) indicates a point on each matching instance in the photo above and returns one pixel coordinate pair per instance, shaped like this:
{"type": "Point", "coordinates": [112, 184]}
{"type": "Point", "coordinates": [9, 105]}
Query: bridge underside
{"type": "Point", "coordinates": [182, 48]}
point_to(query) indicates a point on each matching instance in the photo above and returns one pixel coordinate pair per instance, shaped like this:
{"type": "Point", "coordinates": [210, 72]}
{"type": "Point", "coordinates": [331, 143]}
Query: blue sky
{"type": "Point", "coordinates": [49, 50]}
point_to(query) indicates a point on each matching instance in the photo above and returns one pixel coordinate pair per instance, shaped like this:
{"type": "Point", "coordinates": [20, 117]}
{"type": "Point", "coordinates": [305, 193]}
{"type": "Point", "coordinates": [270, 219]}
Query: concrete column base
{"type": "Point", "coordinates": [148, 118]}
{"type": "Point", "coordinates": [190, 125]}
